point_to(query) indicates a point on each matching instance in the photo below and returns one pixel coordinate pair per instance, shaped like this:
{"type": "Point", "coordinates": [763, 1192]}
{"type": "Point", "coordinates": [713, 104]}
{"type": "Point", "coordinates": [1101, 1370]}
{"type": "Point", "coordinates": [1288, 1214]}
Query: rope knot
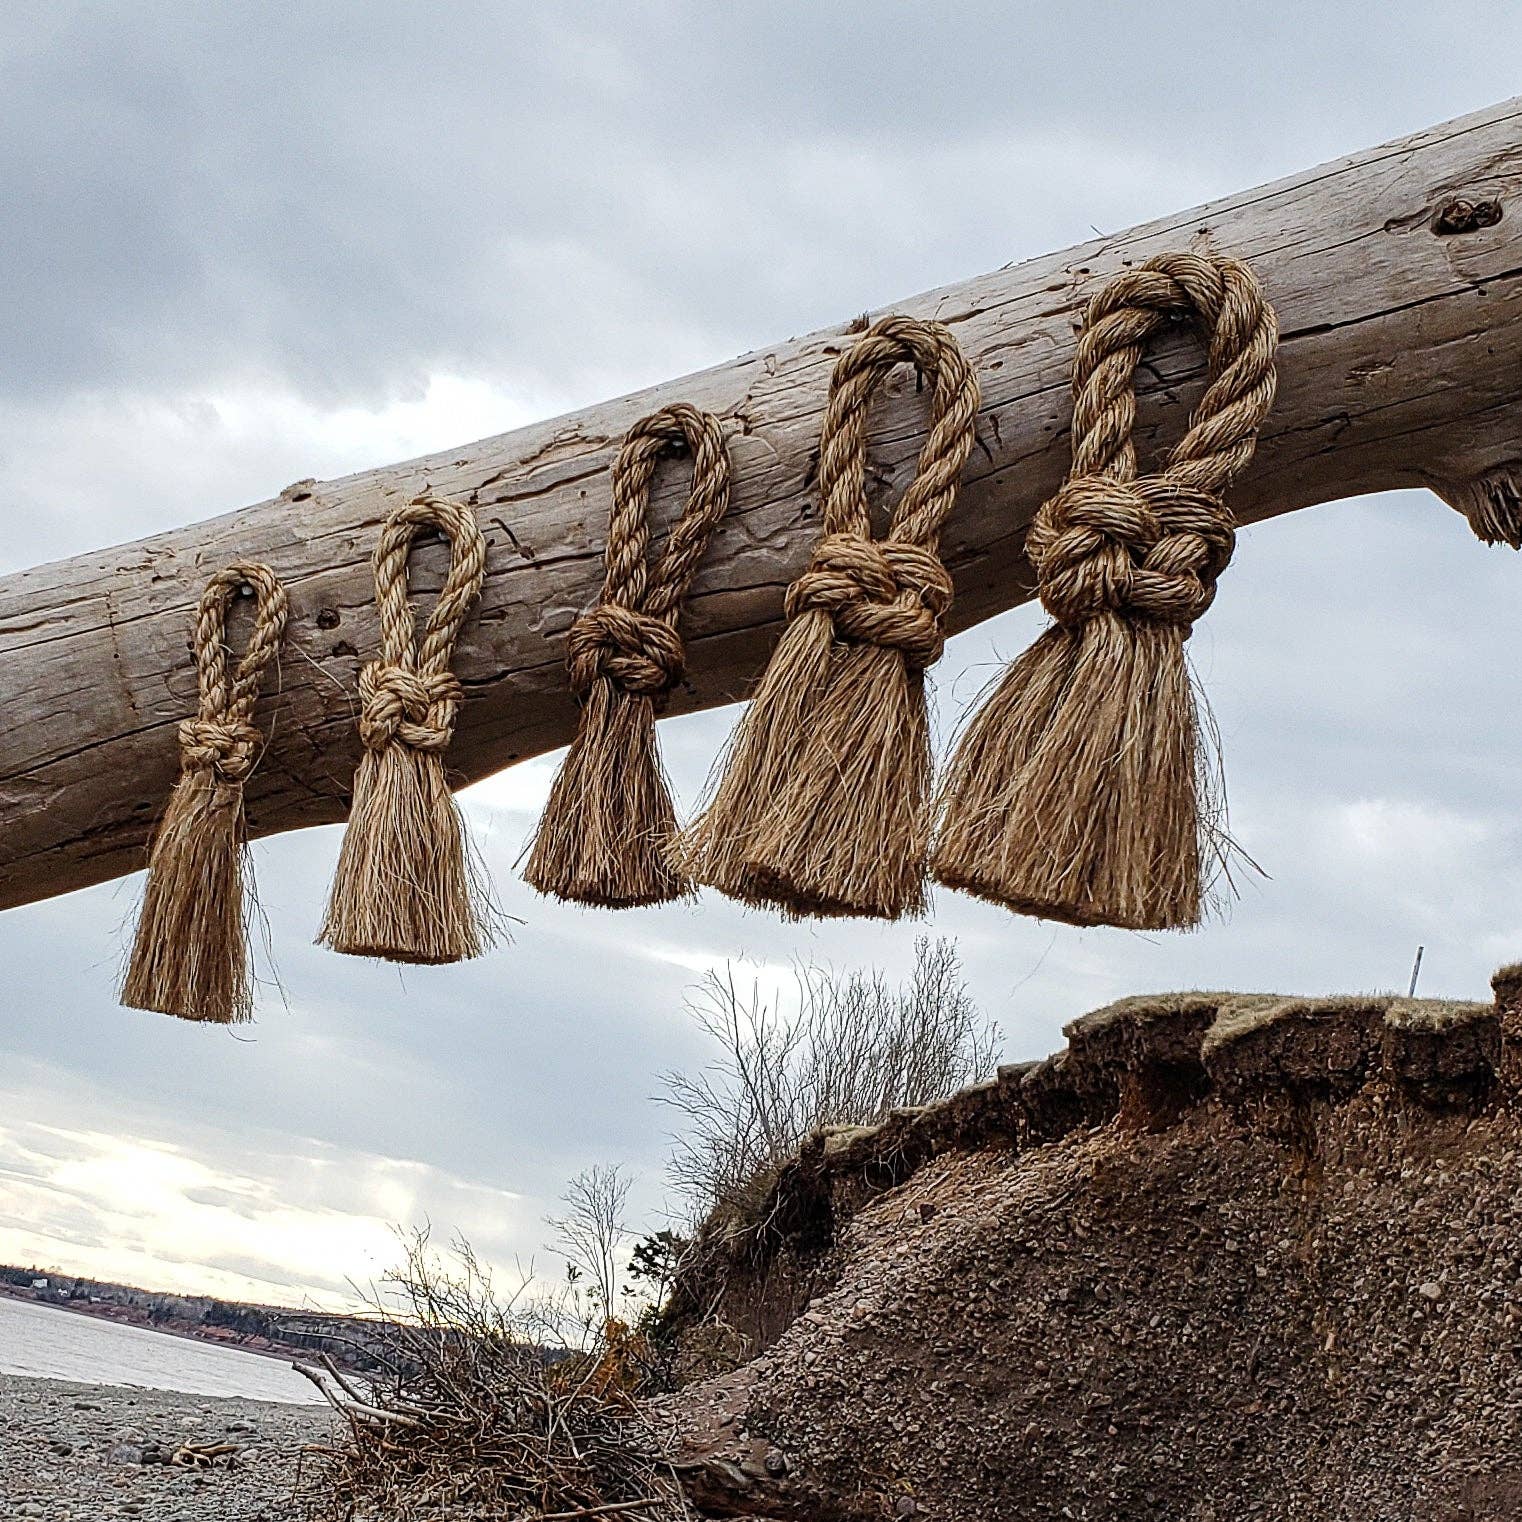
{"type": "Point", "coordinates": [221, 738]}
{"type": "Point", "coordinates": [227, 748]}
{"type": "Point", "coordinates": [891, 592]}
{"type": "Point", "coordinates": [1146, 548]}
{"type": "Point", "coordinates": [190, 951]}
{"type": "Point", "coordinates": [402, 705]}
{"type": "Point", "coordinates": [631, 636]}
{"type": "Point", "coordinates": [878, 592]}
{"type": "Point", "coordinates": [635, 650]}
{"type": "Point", "coordinates": [1114, 541]}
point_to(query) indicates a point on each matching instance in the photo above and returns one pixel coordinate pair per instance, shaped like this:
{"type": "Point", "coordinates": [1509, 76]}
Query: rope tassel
{"type": "Point", "coordinates": [606, 832]}
{"type": "Point", "coordinates": [1081, 790]}
{"type": "Point", "coordinates": [823, 807]}
{"type": "Point", "coordinates": [190, 954]}
{"type": "Point", "coordinates": [407, 886]}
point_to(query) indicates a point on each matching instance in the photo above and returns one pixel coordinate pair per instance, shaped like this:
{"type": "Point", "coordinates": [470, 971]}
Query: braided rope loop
{"type": "Point", "coordinates": [823, 806]}
{"type": "Point", "coordinates": [630, 637]}
{"type": "Point", "coordinates": [189, 954]}
{"type": "Point", "coordinates": [1153, 546]}
{"type": "Point", "coordinates": [410, 696]}
{"type": "Point", "coordinates": [221, 738]}
{"type": "Point", "coordinates": [609, 820]}
{"type": "Point", "coordinates": [895, 592]}
{"type": "Point", "coordinates": [1084, 789]}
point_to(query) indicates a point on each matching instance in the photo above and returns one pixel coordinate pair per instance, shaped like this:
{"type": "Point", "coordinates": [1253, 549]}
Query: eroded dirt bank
{"type": "Point", "coordinates": [1224, 1257]}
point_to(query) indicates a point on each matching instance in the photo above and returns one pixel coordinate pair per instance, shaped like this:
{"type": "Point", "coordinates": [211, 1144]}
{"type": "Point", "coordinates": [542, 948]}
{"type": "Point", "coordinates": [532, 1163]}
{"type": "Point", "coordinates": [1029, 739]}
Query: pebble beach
{"type": "Point", "coordinates": [74, 1452]}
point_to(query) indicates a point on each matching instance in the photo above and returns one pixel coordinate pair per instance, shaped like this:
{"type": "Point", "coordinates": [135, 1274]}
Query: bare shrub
{"type": "Point", "coordinates": [477, 1417]}
{"type": "Point", "coordinates": [589, 1237]}
{"type": "Point", "coordinates": [847, 1050]}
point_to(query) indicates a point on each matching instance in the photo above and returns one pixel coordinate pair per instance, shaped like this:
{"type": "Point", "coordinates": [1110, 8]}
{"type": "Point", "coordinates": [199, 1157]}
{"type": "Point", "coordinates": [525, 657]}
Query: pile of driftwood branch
{"type": "Point", "coordinates": [476, 1417]}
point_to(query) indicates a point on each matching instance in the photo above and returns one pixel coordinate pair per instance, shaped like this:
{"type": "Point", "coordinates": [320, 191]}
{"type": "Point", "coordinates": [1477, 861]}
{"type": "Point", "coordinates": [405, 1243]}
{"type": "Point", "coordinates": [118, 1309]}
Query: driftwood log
{"type": "Point", "coordinates": [1397, 274]}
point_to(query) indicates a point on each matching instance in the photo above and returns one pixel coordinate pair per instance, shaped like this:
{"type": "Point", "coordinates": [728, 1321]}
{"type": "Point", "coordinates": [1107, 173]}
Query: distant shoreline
{"type": "Point", "coordinates": [277, 1331]}
{"type": "Point", "coordinates": [185, 1331]}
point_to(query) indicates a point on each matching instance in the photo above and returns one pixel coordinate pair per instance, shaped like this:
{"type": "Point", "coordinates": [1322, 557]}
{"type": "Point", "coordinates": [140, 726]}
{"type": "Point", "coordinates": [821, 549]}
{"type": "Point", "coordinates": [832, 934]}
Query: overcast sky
{"type": "Point", "coordinates": [247, 245]}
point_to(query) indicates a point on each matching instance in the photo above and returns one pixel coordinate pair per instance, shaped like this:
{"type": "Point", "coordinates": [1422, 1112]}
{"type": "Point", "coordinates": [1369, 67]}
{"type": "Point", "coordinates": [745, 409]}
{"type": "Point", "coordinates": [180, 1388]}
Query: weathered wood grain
{"type": "Point", "coordinates": [1398, 277]}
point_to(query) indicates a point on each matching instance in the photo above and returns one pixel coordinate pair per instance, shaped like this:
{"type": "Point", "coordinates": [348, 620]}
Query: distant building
{"type": "Point", "coordinates": [39, 1283]}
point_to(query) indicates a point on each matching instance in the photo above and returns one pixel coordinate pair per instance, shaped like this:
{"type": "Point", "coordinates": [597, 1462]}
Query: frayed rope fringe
{"type": "Point", "coordinates": [823, 805]}
{"type": "Point", "coordinates": [1082, 790]}
{"type": "Point", "coordinates": [606, 832]}
{"type": "Point", "coordinates": [408, 886]}
{"type": "Point", "coordinates": [189, 956]}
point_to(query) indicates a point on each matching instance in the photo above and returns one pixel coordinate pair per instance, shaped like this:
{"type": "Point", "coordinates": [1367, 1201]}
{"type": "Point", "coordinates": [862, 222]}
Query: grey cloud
{"type": "Point", "coordinates": [609, 193]}
{"type": "Point", "coordinates": [243, 1201]}
{"type": "Point", "coordinates": [23, 1172]}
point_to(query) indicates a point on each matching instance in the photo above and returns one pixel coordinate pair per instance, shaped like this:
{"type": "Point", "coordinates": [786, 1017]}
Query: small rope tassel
{"type": "Point", "coordinates": [190, 955]}
{"type": "Point", "coordinates": [606, 832]}
{"type": "Point", "coordinates": [823, 808]}
{"type": "Point", "coordinates": [407, 886]}
{"type": "Point", "coordinates": [1083, 789]}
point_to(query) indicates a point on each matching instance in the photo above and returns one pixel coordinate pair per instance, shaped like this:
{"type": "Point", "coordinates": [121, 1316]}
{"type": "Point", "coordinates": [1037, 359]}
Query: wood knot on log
{"type": "Point", "coordinates": [1461, 216]}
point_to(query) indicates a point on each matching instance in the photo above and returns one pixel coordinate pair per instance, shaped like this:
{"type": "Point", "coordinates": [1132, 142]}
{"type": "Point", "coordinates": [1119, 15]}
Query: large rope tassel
{"type": "Point", "coordinates": [1080, 791]}
{"type": "Point", "coordinates": [190, 955]}
{"type": "Point", "coordinates": [606, 831]}
{"type": "Point", "coordinates": [823, 807]}
{"type": "Point", "coordinates": [407, 886]}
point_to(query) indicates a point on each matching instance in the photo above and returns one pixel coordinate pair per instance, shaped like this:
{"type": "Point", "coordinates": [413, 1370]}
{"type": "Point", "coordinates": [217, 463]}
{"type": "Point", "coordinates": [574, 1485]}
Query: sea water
{"type": "Point", "coordinates": [48, 1342]}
